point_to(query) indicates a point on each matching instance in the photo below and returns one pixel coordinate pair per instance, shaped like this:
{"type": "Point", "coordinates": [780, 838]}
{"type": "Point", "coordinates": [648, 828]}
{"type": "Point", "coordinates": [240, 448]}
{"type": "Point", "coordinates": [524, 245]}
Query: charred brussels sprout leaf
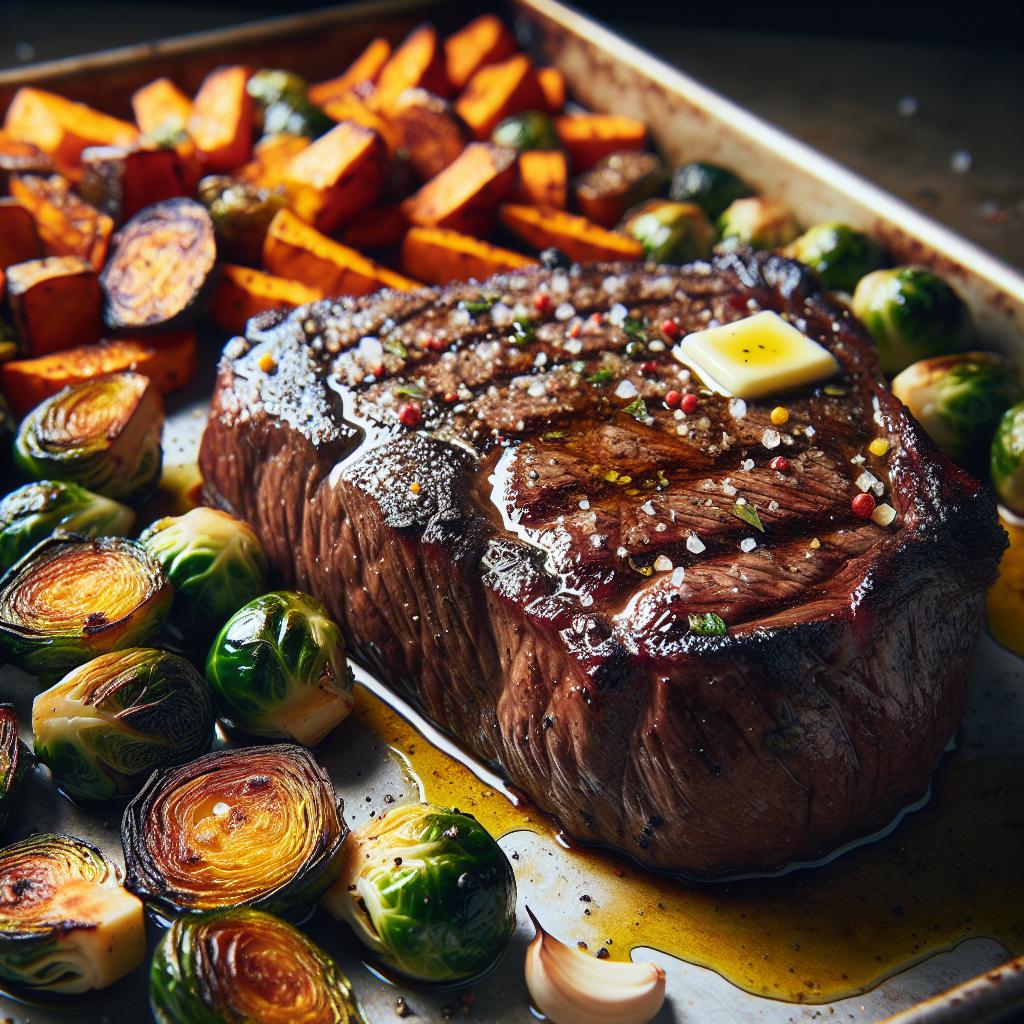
{"type": "Point", "coordinates": [428, 891]}
{"type": "Point", "coordinates": [103, 434]}
{"type": "Point", "coordinates": [14, 760]}
{"type": "Point", "coordinates": [1007, 459]}
{"type": "Point", "coordinates": [530, 130]}
{"type": "Point", "coordinates": [109, 723]}
{"type": "Point", "coordinates": [240, 214]}
{"type": "Point", "coordinates": [712, 188]}
{"type": "Point", "coordinates": [286, 110]}
{"type": "Point", "coordinates": [226, 966]}
{"type": "Point", "coordinates": [708, 624]}
{"type": "Point", "coordinates": [670, 232]}
{"type": "Point", "coordinates": [72, 928]}
{"type": "Point", "coordinates": [759, 222]}
{"type": "Point", "coordinates": [838, 254]}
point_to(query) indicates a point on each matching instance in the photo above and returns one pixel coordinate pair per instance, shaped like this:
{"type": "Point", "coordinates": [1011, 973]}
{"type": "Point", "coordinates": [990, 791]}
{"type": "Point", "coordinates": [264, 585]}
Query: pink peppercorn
{"type": "Point", "coordinates": [672, 399]}
{"type": "Point", "coordinates": [689, 403]}
{"type": "Point", "coordinates": [650, 368]}
{"type": "Point", "coordinates": [409, 415]}
{"type": "Point", "coordinates": [670, 328]}
{"type": "Point", "coordinates": [780, 464]}
{"type": "Point", "coordinates": [863, 505]}
{"type": "Point", "coordinates": [542, 302]}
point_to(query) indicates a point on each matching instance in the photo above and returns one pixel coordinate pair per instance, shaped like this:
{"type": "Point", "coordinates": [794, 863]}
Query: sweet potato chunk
{"type": "Point", "coordinates": [580, 239]}
{"type": "Point", "coordinates": [121, 181]}
{"type": "Point", "coordinates": [160, 273]}
{"type": "Point", "coordinates": [428, 131]}
{"type": "Point", "coordinates": [243, 292]}
{"type": "Point", "coordinates": [437, 256]}
{"type": "Point", "coordinates": [270, 159]}
{"type": "Point", "coordinates": [355, 107]}
{"type": "Point", "coordinates": [590, 137]}
{"type": "Point", "coordinates": [20, 158]}
{"type": "Point", "coordinates": [19, 240]}
{"type": "Point", "coordinates": [221, 122]}
{"type": "Point", "coordinates": [616, 183]}
{"type": "Point", "coordinates": [377, 227]}
{"type": "Point", "coordinates": [543, 178]}
{"type": "Point", "coordinates": [161, 106]}
{"type": "Point", "coordinates": [485, 40]}
{"type": "Point", "coordinates": [56, 303]}
{"type": "Point", "coordinates": [498, 91]}
{"type": "Point", "coordinates": [552, 84]}
{"type": "Point", "coordinates": [417, 64]}
{"type": "Point", "coordinates": [365, 68]}
{"type": "Point", "coordinates": [465, 195]}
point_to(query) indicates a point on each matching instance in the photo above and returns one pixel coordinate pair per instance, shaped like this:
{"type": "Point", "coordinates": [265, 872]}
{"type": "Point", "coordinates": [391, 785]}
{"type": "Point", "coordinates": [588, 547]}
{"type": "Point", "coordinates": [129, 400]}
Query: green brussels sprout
{"type": "Point", "coordinates": [66, 925]}
{"type": "Point", "coordinates": [531, 129]}
{"type": "Point", "coordinates": [959, 399]}
{"type": "Point", "coordinates": [711, 187]}
{"type": "Point", "coordinates": [759, 222]}
{"type": "Point", "coordinates": [840, 255]}
{"type": "Point", "coordinates": [912, 314]}
{"type": "Point", "coordinates": [32, 512]}
{"type": "Point", "coordinates": [103, 434]}
{"type": "Point", "coordinates": [252, 827]}
{"type": "Point", "coordinates": [14, 761]}
{"type": "Point", "coordinates": [1007, 459]}
{"type": "Point", "coordinates": [240, 214]}
{"type": "Point", "coordinates": [235, 966]}
{"type": "Point", "coordinates": [428, 891]}
{"type": "Point", "coordinates": [72, 598]}
{"type": "Point", "coordinates": [108, 724]}
{"type": "Point", "coordinates": [670, 232]}
{"type": "Point", "coordinates": [269, 85]}
{"type": "Point", "coordinates": [278, 669]}
{"type": "Point", "coordinates": [286, 110]}
{"type": "Point", "coordinates": [214, 562]}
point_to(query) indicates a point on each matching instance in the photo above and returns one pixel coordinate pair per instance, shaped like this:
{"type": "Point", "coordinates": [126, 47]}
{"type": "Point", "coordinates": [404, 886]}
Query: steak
{"type": "Point", "coordinates": [513, 541]}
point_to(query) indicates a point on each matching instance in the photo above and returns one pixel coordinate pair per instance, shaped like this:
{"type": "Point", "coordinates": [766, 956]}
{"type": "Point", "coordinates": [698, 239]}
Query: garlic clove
{"type": "Point", "coordinates": [569, 987]}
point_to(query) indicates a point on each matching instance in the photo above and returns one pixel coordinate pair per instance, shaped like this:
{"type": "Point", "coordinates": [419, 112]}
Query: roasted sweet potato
{"type": "Point", "coordinates": [377, 227]}
{"type": "Point", "coordinates": [543, 178]}
{"type": "Point", "coordinates": [221, 123]}
{"type": "Point", "coordinates": [19, 240]}
{"type": "Point", "coordinates": [20, 158]}
{"type": "Point", "coordinates": [614, 184]}
{"type": "Point", "coordinates": [168, 360]}
{"type": "Point", "coordinates": [355, 106]}
{"type": "Point", "coordinates": [55, 303]}
{"type": "Point", "coordinates": [120, 181]}
{"type": "Point", "coordinates": [588, 138]}
{"type": "Point", "coordinates": [161, 106]}
{"type": "Point", "coordinates": [437, 256]}
{"type": "Point", "coordinates": [338, 174]}
{"type": "Point", "coordinates": [428, 131]}
{"type": "Point", "coordinates": [580, 239]}
{"type": "Point", "coordinates": [497, 91]}
{"type": "Point", "coordinates": [465, 195]}
{"type": "Point", "coordinates": [161, 272]}
{"type": "Point", "coordinates": [552, 84]}
{"type": "Point", "coordinates": [364, 69]}
{"type": "Point", "coordinates": [485, 40]}
{"type": "Point", "coordinates": [270, 158]}
{"type": "Point", "coordinates": [295, 250]}
{"type": "Point", "coordinates": [243, 292]}
{"type": "Point", "coordinates": [417, 64]}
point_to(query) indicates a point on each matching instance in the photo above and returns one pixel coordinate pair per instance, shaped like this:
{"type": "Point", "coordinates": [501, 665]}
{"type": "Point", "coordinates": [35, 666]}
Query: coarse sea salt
{"type": "Point", "coordinates": [617, 314]}
{"type": "Point", "coordinates": [648, 508]}
{"type": "Point", "coordinates": [771, 438]}
{"type": "Point", "coordinates": [748, 544]}
{"type": "Point", "coordinates": [565, 311]}
{"type": "Point", "coordinates": [662, 564]}
{"type": "Point", "coordinates": [678, 575]}
{"type": "Point", "coordinates": [626, 389]}
{"type": "Point", "coordinates": [737, 408]}
{"type": "Point", "coordinates": [694, 544]}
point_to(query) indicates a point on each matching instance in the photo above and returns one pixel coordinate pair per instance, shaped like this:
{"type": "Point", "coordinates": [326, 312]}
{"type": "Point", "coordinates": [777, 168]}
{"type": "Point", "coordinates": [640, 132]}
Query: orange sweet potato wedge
{"type": "Point", "coordinates": [417, 64]}
{"type": "Point", "coordinates": [119, 181]}
{"type": "Point", "coordinates": [437, 256]}
{"type": "Point", "coordinates": [485, 40]}
{"type": "Point", "coordinates": [580, 239]}
{"type": "Point", "coordinates": [552, 84]}
{"type": "Point", "coordinates": [377, 227]}
{"type": "Point", "coordinates": [428, 131]}
{"type": "Point", "coordinates": [355, 106]}
{"type": "Point", "coordinates": [543, 178]}
{"type": "Point", "coordinates": [270, 159]}
{"type": "Point", "coordinates": [161, 106]}
{"type": "Point", "coordinates": [20, 158]}
{"type": "Point", "coordinates": [243, 292]}
{"type": "Point", "coordinates": [497, 91]}
{"type": "Point", "coordinates": [19, 239]}
{"type": "Point", "coordinates": [364, 69]}
{"type": "Point", "coordinates": [221, 123]}
{"type": "Point", "coordinates": [588, 138]}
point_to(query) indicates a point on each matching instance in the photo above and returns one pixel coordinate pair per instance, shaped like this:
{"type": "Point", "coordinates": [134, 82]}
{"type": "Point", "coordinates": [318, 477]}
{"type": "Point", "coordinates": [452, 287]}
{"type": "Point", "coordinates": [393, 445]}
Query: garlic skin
{"type": "Point", "coordinates": [569, 987]}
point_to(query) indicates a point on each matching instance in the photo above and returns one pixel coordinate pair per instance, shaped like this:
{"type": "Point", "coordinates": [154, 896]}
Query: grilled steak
{"type": "Point", "coordinates": [515, 542]}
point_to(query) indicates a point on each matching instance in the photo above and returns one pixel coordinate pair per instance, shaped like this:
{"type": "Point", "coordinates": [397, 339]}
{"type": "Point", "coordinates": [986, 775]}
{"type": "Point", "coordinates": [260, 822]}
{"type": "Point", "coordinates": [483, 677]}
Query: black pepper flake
{"type": "Point", "coordinates": [603, 954]}
{"type": "Point", "coordinates": [402, 1008]}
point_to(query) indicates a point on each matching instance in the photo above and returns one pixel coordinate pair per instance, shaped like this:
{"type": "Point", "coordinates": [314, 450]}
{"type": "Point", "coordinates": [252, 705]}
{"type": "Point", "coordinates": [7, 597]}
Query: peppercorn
{"type": "Point", "coordinates": [689, 402]}
{"type": "Point", "coordinates": [672, 399]}
{"type": "Point", "coordinates": [863, 505]}
{"type": "Point", "coordinates": [542, 302]}
{"type": "Point", "coordinates": [650, 368]}
{"type": "Point", "coordinates": [779, 415]}
{"type": "Point", "coordinates": [410, 414]}
{"type": "Point", "coordinates": [879, 446]}
{"type": "Point", "coordinates": [670, 329]}
{"type": "Point", "coordinates": [780, 464]}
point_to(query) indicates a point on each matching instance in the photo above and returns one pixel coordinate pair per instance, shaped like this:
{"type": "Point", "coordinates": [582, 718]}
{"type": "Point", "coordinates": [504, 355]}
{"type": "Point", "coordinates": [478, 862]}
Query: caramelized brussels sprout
{"type": "Point", "coordinates": [278, 669]}
{"type": "Point", "coordinates": [912, 314]}
{"type": "Point", "coordinates": [14, 760]}
{"type": "Point", "coordinates": [214, 562]}
{"type": "Point", "coordinates": [268, 85]}
{"type": "Point", "coordinates": [111, 722]}
{"type": "Point", "coordinates": [670, 232]}
{"type": "Point", "coordinates": [618, 182]}
{"type": "Point", "coordinates": [711, 187]}
{"type": "Point", "coordinates": [531, 129]}
{"type": "Point", "coordinates": [66, 924]}
{"type": "Point", "coordinates": [255, 827]}
{"type": "Point", "coordinates": [240, 214]}
{"type": "Point", "coordinates": [758, 222]}
{"type": "Point", "coordinates": [31, 513]}
{"type": "Point", "coordinates": [428, 891]}
{"type": "Point", "coordinates": [840, 255]}
{"type": "Point", "coordinates": [103, 434]}
{"type": "Point", "coordinates": [1007, 459]}
{"type": "Point", "coordinates": [234, 966]}
{"type": "Point", "coordinates": [281, 98]}
{"type": "Point", "coordinates": [72, 598]}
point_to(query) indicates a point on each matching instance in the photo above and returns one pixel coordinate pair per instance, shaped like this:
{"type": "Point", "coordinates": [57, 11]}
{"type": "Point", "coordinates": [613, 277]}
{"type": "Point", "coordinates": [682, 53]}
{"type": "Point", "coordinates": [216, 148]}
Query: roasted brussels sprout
{"type": "Point", "coordinates": [759, 222]}
{"type": "Point", "coordinates": [531, 129]}
{"type": "Point", "coordinates": [103, 434]}
{"type": "Point", "coordinates": [105, 727]}
{"type": "Point", "coordinates": [235, 966]}
{"type": "Point", "coordinates": [959, 399]}
{"type": "Point", "coordinates": [66, 924]}
{"type": "Point", "coordinates": [712, 188]}
{"type": "Point", "coordinates": [278, 669]}
{"type": "Point", "coordinates": [1007, 459]}
{"type": "Point", "coordinates": [14, 760]}
{"type": "Point", "coordinates": [31, 513]}
{"type": "Point", "coordinates": [281, 98]}
{"type": "Point", "coordinates": [840, 255]}
{"type": "Point", "coordinates": [269, 85]}
{"type": "Point", "coordinates": [912, 314]}
{"type": "Point", "coordinates": [255, 827]}
{"type": "Point", "coordinates": [670, 232]}
{"type": "Point", "coordinates": [72, 598]}
{"type": "Point", "coordinates": [240, 214]}
{"type": "Point", "coordinates": [214, 562]}
{"type": "Point", "coordinates": [428, 891]}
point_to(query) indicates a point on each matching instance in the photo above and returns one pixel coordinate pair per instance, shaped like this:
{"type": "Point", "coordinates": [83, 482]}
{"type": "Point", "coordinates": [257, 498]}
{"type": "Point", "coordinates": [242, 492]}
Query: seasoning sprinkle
{"type": "Point", "coordinates": [879, 446]}
{"type": "Point", "coordinates": [863, 505]}
{"type": "Point", "coordinates": [267, 363]}
{"type": "Point", "coordinates": [689, 402]}
{"type": "Point", "coordinates": [779, 415]}
{"type": "Point", "coordinates": [410, 414]}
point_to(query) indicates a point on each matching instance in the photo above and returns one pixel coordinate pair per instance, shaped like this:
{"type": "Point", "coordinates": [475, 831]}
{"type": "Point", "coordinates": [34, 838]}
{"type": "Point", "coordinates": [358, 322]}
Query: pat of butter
{"type": "Point", "coordinates": [756, 356]}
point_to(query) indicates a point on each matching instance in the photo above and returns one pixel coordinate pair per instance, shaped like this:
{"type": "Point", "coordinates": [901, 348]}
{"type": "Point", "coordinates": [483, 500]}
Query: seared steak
{"type": "Point", "coordinates": [513, 541]}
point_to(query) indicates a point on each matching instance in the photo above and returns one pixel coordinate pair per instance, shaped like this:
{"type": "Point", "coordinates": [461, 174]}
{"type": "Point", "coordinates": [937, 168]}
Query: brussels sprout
{"type": "Point", "coordinates": [278, 669]}
{"type": "Point", "coordinates": [110, 722]}
{"type": "Point", "coordinates": [840, 255]}
{"type": "Point", "coordinates": [240, 214]}
{"type": "Point", "coordinates": [670, 232]}
{"type": "Point", "coordinates": [269, 85]}
{"type": "Point", "coordinates": [712, 188]}
{"type": "Point", "coordinates": [428, 891]}
{"type": "Point", "coordinates": [31, 513]}
{"type": "Point", "coordinates": [530, 130]}
{"type": "Point", "coordinates": [255, 827]}
{"type": "Point", "coordinates": [72, 598]}
{"type": "Point", "coordinates": [616, 183]}
{"type": "Point", "coordinates": [286, 110]}
{"type": "Point", "coordinates": [759, 222]}
{"type": "Point", "coordinates": [214, 562]}
{"type": "Point", "coordinates": [235, 966]}
{"type": "Point", "coordinates": [14, 760]}
{"type": "Point", "coordinates": [912, 314]}
{"type": "Point", "coordinates": [103, 434]}
{"type": "Point", "coordinates": [66, 925]}
{"type": "Point", "coordinates": [958, 399]}
{"type": "Point", "coordinates": [1007, 459]}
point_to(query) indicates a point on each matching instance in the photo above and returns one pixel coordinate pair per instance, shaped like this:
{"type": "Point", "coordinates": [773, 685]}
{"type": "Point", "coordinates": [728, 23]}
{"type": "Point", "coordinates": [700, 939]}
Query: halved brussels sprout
{"type": "Point", "coordinates": [234, 966]}
{"type": "Point", "coordinates": [531, 129]}
{"type": "Point", "coordinates": [428, 891]}
{"type": "Point", "coordinates": [240, 214]}
{"type": "Point", "coordinates": [839, 254]}
{"type": "Point", "coordinates": [14, 761]}
{"type": "Point", "coordinates": [66, 924]}
{"type": "Point", "coordinates": [912, 314]}
{"type": "Point", "coordinates": [759, 222]}
{"type": "Point", "coordinates": [278, 669]}
{"type": "Point", "coordinates": [286, 110]}
{"type": "Point", "coordinates": [108, 724]}
{"type": "Point", "coordinates": [959, 399]}
{"type": "Point", "coordinates": [31, 513]}
{"type": "Point", "coordinates": [72, 598]}
{"type": "Point", "coordinates": [255, 827]}
{"type": "Point", "coordinates": [711, 187]}
{"type": "Point", "coordinates": [1007, 459]}
{"type": "Point", "coordinates": [214, 561]}
{"type": "Point", "coordinates": [103, 434]}
{"type": "Point", "coordinates": [670, 232]}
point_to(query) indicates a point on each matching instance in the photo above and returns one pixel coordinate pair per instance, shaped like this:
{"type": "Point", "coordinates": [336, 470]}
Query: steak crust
{"type": "Point", "coordinates": [522, 562]}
